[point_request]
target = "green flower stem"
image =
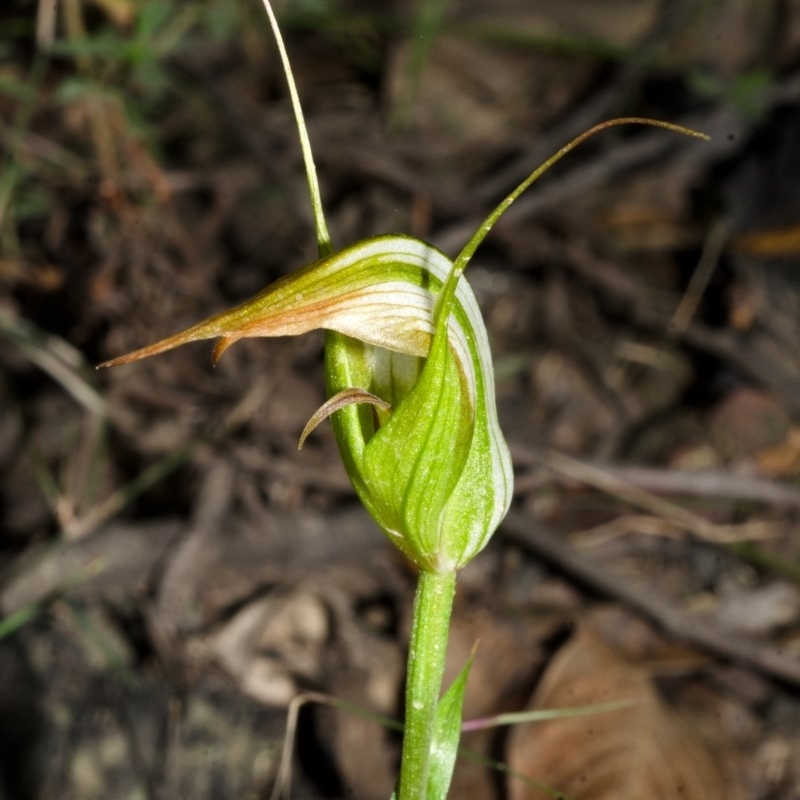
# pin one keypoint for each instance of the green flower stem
(426, 655)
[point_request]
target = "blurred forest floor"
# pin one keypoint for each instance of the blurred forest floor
(173, 572)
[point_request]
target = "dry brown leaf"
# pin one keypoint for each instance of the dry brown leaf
(783, 459)
(641, 752)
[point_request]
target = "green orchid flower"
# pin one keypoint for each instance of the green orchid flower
(411, 388)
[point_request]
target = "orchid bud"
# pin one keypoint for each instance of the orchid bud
(411, 388)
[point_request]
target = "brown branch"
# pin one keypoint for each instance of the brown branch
(549, 547)
(708, 484)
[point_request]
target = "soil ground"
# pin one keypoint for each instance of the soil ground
(173, 572)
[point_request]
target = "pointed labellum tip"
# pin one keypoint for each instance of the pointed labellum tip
(220, 347)
(347, 397)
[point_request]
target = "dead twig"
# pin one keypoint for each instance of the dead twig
(724, 345)
(712, 251)
(741, 488)
(57, 357)
(660, 507)
(546, 545)
(712, 484)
